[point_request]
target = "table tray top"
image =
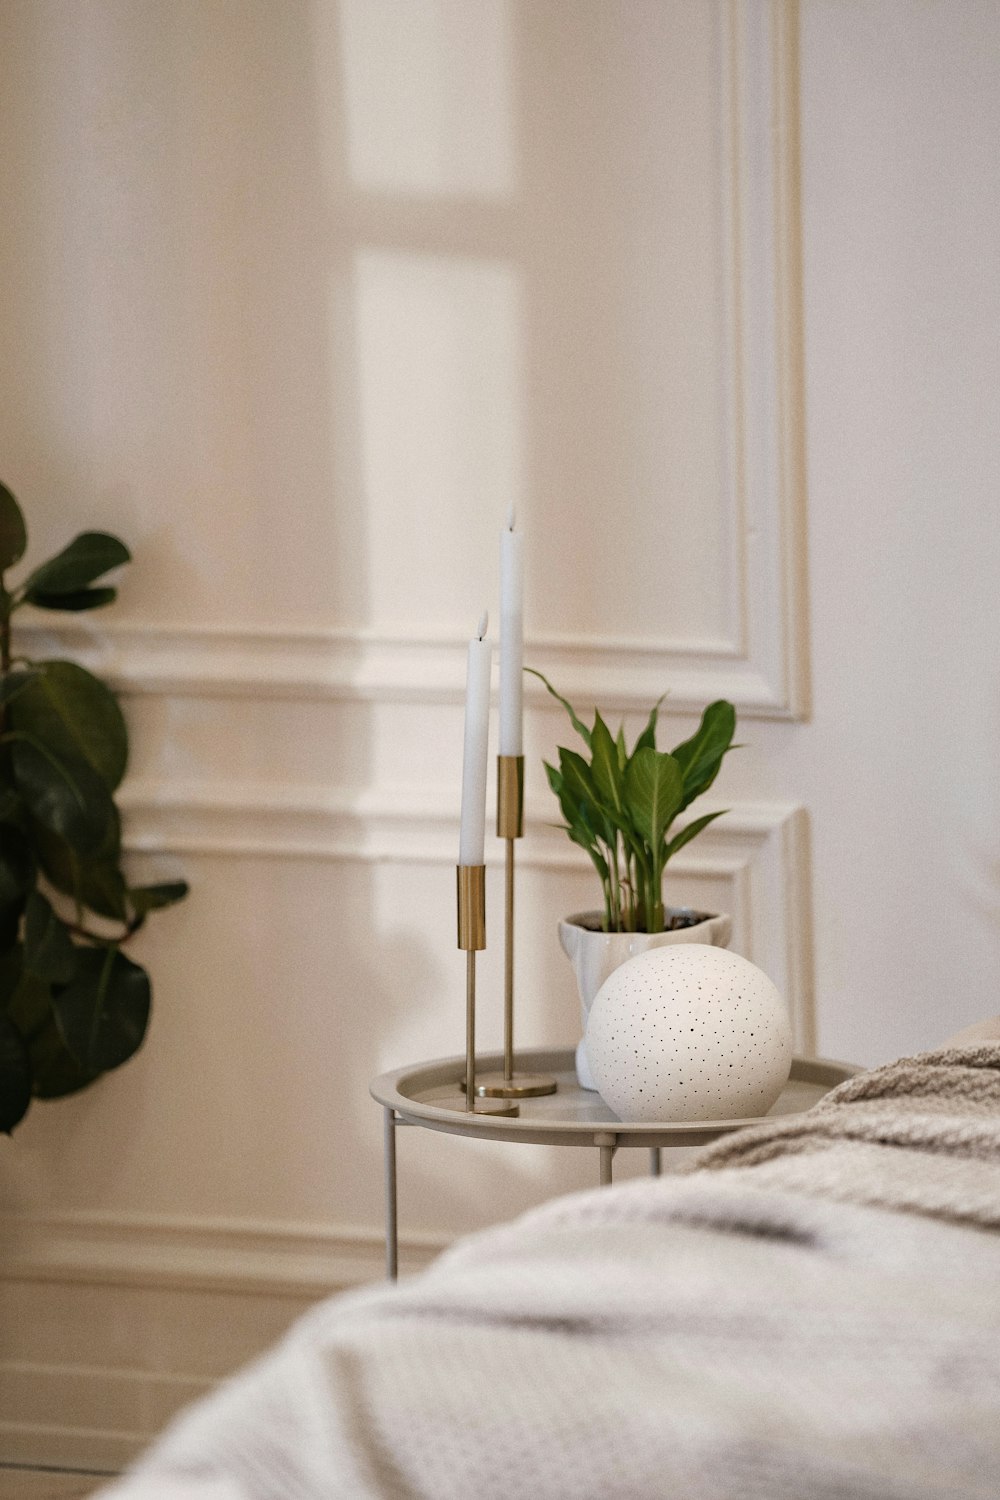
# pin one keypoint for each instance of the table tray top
(427, 1094)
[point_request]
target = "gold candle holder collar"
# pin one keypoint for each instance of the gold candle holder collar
(472, 937)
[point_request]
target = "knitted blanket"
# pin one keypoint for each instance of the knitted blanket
(811, 1310)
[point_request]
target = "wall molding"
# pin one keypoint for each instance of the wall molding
(171, 1286)
(253, 1257)
(760, 849)
(364, 666)
(762, 665)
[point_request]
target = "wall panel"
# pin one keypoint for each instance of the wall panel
(302, 340)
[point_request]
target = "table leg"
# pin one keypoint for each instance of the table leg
(606, 1144)
(655, 1161)
(391, 1230)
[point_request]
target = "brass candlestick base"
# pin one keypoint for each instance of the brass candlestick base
(517, 1086)
(472, 937)
(510, 1084)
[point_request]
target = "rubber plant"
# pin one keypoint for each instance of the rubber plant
(72, 1005)
(619, 804)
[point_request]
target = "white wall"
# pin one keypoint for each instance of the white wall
(299, 298)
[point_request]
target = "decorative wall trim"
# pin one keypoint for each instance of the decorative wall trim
(191, 1298)
(250, 1257)
(330, 665)
(759, 849)
(761, 226)
(762, 665)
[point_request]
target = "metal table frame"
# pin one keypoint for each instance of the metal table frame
(429, 1095)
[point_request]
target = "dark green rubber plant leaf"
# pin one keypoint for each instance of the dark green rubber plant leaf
(13, 532)
(102, 1015)
(72, 801)
(15, 1076)
(55, 1069)
(30, 1007)
(15, 683)
(147, 898)
(17, 868)
(76, 601)
(49, 950)
(95, 880)
(75, 716)
(88, 556)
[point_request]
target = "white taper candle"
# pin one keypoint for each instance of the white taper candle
(472, 830)
(511, 638)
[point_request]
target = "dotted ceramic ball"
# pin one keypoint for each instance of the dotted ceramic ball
(689, 1033)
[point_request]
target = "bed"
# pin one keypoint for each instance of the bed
(809, 1310)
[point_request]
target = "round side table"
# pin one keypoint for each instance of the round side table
(428, 1094)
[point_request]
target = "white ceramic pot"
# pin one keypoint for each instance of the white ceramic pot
(595, 955)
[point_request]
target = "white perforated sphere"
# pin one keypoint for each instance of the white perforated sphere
(689, 1033)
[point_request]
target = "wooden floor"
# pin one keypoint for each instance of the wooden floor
(47, 1484)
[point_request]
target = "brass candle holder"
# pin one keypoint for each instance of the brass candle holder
(472, 937)
(511, 1084)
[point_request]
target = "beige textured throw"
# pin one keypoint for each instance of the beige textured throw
(810, 1311)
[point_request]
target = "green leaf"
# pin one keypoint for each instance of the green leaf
(76, 717)
(691, 831)
(577, 781)
(579, 836)
(56, 1071)
(14, 683)
(11, 808)
(88, 556)
(10, 973)
(577, 724)
(147, 898)
(16, 866)
(49, 952)
(10, 925)
(647, 739)
(72, 802)
(701, 756)
(95, 881)
(15, 1076)
(606, 770)
(13, 532)
(653, 790)
(76, 601)
(30, 1007)
(102, 1015)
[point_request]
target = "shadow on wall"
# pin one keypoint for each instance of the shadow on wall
(300, 299)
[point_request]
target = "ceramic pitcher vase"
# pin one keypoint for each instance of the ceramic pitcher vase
(595, 954)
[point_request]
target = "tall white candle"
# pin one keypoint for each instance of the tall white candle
(511, 638)
(472, 830)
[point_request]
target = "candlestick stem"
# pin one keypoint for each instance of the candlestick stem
(470, 1029)
(472, 937)
(510, 827)
(508, 969)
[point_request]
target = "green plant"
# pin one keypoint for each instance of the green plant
(619, 805)
(72, 1006)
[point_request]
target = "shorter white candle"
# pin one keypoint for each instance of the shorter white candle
(472, 830)
(511, 638)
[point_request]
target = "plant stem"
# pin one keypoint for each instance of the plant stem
(129, 930)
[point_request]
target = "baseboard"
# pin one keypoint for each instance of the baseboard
(113, 1323)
